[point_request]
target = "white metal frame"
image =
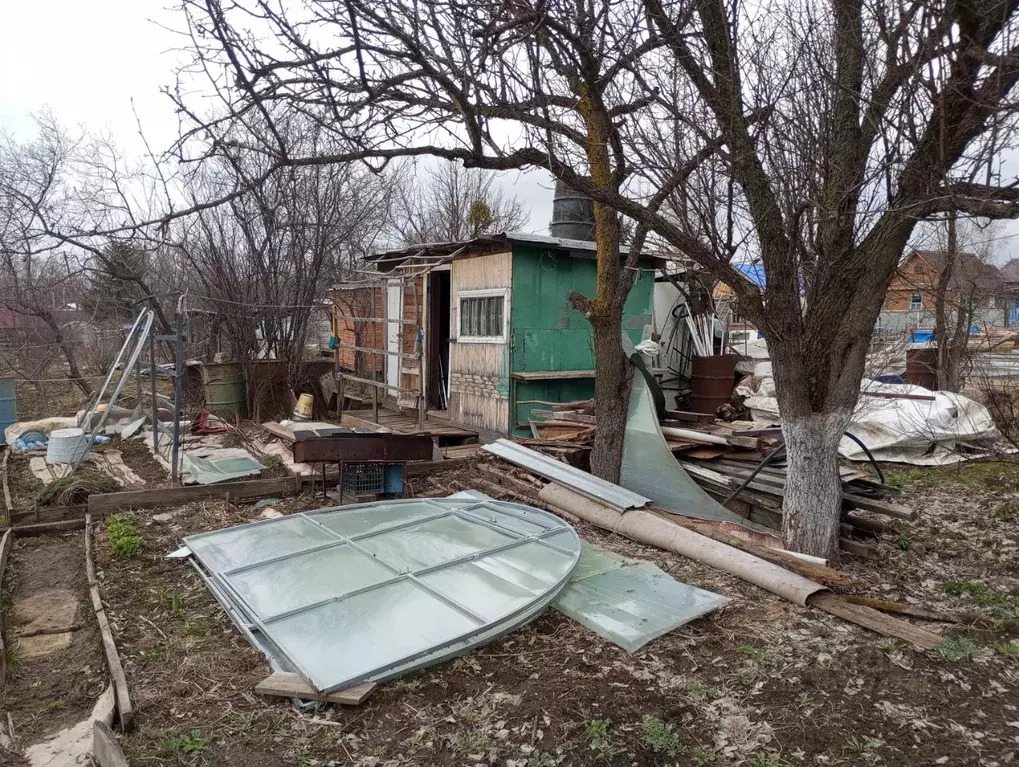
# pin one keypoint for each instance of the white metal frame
(483, 293)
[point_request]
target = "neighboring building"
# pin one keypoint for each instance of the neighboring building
(492, 321)
(915, 283)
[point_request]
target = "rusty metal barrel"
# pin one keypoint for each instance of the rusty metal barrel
(711, 382)
(922, 367)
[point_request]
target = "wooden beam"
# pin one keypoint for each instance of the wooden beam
(278, 430)
(176, 496)
(5, 549)
(105, 748)
(870, 618)
(286, 685)
(124, 708)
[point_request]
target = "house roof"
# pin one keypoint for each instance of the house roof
(575, 248)
(1010, 271)
(753, 271)
(970, 272)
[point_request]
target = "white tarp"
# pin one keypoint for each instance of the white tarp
(923, 432)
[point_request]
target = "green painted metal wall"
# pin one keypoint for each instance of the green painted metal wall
(548, 334)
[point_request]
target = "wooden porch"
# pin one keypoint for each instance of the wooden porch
(436, 425)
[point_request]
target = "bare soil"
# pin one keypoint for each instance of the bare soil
(138, 457)
(23, 484)
(47, 693)
(760, 682)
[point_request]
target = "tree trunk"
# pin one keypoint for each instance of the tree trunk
(812, 505)
(611, 395)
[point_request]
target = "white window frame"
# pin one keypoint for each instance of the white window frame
(916, 308)
(487, 293)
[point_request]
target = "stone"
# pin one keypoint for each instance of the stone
(72, 745)
(164, 518)
(41, 645)
(46, 612)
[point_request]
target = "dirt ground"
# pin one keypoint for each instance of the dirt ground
(760, 682)
(47, 693)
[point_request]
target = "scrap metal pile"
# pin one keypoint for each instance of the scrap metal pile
(739, 465)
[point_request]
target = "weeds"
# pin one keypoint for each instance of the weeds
(125, 540)
(957, 648)
(981, 594)
(190, 743)
(599, 739)
(702, 756)
(469, 742)
(1008, 511)
(661, 737)
(698, 691)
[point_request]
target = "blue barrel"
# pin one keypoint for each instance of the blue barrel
(8, 406)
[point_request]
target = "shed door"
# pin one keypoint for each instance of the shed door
(394, 302)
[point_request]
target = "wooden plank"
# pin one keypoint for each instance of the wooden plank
(286, 685)
(8, 503)
(361, 423)
(689, 417)
(125, 710)
(874, 620)
(551, 375)
(5, 549)
(419, 468)
(175, 496)
(277, 430)
(105, 748)
(26, 531)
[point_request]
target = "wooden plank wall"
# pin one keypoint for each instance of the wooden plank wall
(413, 309)
(479, 373)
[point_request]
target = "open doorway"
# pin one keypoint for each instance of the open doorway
(439, 304)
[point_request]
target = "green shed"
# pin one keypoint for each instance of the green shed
(493, 324)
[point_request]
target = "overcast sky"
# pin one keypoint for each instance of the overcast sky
(88, 61)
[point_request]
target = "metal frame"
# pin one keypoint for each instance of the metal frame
(459, 509)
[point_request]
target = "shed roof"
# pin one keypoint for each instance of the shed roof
(575, 248)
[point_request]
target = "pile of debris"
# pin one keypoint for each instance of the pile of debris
(739, 464)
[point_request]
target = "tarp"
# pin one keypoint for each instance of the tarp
(920, 431)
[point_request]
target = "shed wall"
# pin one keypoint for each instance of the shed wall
(479, 372)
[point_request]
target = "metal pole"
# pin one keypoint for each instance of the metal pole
(177, 393)
(155, 402)
(138, 372)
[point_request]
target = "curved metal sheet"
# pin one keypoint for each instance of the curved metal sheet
(373, 591)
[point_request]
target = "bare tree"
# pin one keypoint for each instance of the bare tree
(264, 259)
(824, 131)
(965, 281)
(452, 203)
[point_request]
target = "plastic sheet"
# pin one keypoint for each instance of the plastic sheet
(630, 602)
(373, 591)
(221, 466)
(650, 468)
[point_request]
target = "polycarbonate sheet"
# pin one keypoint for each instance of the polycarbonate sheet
(630, 602)
(650, 468)
(257, 542)
(405, 584)
(345, 641)
(304, 579)
(433, 543)
(487, 586)
(362, 520)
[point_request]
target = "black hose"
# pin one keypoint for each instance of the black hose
(781, 445)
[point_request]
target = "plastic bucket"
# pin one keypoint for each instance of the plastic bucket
(304, 405)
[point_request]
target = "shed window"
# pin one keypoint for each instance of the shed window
(916, 302)
(482, 316)
(918, 269)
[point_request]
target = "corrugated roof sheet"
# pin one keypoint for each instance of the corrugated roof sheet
(580, 481)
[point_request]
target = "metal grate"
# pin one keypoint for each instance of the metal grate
(363, 478)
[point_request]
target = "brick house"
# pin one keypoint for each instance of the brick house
(914, 286)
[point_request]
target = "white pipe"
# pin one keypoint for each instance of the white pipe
(694, 436)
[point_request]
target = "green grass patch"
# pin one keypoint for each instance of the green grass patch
(661, 737)
(957, 648)
(982, 595)
(189, 743)
(125, 540)
(1008, 511)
